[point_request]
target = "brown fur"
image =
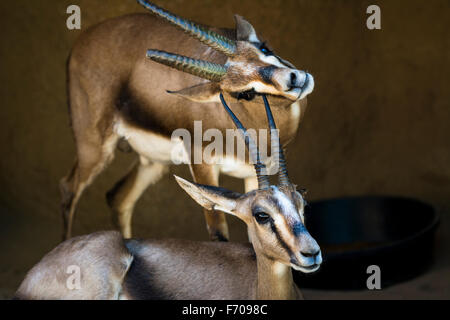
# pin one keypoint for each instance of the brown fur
(102, 271)
(109, 78)
(160, 269)
(179, 269)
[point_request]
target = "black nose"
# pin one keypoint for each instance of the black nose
(309, 254)
(293, 79)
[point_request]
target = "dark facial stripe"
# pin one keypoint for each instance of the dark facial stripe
(266, 73)
(270, 53)
(282, 242)
(275, 203)
(286, 63)
(298, 228)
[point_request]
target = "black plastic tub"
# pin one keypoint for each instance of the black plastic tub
(395, 234)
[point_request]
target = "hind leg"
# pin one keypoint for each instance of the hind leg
(94, 154)
(92, 101)
(123, 197)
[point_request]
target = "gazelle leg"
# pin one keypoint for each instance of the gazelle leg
(92, 158)
(215, 220)
(251, 183)
(124, 195)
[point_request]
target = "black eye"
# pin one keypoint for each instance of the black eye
(261, 217)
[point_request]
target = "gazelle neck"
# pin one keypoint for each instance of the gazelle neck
(275, 281)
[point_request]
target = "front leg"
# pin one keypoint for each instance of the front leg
(215, 220)
(123, 197)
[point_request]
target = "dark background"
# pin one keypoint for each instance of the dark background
(377, 122)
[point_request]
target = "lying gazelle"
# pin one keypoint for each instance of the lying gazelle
(112, 268)
(115, 93)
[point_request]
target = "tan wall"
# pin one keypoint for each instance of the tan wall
(378, 121)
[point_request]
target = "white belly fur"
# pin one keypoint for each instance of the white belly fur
(151, 146)
(156, 148)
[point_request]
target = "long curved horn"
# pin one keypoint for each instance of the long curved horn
(283, 178)
(263, 180)
(199, 68)
(208, 37)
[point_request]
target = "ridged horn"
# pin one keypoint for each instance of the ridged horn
(199, 68)
(208, 37)
(263, 180)
(283, 177)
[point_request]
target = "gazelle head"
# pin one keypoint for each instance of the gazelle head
(274, 214)
(251, 67)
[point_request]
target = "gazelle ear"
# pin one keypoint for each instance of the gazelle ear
(210, 197)
(244, 30)
(205, 92)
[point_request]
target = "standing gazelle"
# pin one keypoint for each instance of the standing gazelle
(115, 92)
(111, 268)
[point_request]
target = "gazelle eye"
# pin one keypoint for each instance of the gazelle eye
(261, 217)
(264, 49)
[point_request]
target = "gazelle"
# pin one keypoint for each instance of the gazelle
(116, 93)
(112, 268)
